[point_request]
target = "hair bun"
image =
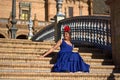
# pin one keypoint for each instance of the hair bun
(66, 28)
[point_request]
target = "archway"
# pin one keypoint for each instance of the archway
(21, 37)
(1, 36)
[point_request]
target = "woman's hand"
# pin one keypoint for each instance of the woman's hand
(53, 48)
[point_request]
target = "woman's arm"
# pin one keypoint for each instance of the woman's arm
(53, 48)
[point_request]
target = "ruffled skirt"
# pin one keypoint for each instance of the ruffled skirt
(70, 62)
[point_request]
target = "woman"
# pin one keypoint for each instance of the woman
(67, 61)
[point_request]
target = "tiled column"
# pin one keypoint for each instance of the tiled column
(115, 29)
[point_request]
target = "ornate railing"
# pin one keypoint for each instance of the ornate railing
(46, 33)
(88, 30)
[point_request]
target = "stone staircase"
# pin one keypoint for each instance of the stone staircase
(19, 60)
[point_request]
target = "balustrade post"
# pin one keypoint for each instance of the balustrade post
(30, 27)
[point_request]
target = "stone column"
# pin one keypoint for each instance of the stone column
(14, 21)
(59, 16)
(90, 8)
(115, 29)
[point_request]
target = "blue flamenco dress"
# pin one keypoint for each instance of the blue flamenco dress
(68, 61)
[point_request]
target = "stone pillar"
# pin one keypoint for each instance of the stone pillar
(59, 16)
(115, 29)
(90, 8)
(14, 21)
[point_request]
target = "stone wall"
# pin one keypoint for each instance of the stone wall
(44, 10)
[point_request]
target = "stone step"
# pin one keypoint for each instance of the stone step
(29, 46)
(29, 42)
(13, 52)
(16, 53)
(22, 51)
(35, 59)
(49, 67)
(96, 55)
(24, 42)
(90, 49)
(41, 52)
(30, 53)
(58, 76)
(38, 70)
(35, 55)
(28, 50)
(20, 62)
(24, 46)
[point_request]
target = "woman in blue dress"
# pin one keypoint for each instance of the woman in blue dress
(67, 61)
